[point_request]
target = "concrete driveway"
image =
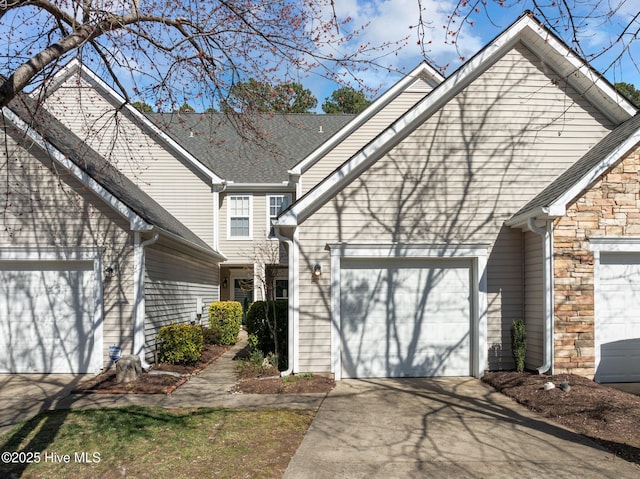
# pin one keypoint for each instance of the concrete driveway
(453, 427)
(22, 396)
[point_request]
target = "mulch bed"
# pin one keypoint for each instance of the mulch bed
(294, 384)
(105, 383)
(267, 381)
(606, 415)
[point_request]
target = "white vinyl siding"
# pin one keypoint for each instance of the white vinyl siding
(347, 148)
(174, 281)
(504, 284)
(51, 211)
(455, 180)
(239, 215)
(533, 300)
(240, 251)
(156, 169)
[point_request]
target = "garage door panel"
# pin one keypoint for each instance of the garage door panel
(620, 361)
(46, 316)
(405, 320)
(617, 325)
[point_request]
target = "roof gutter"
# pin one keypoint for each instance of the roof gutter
(547, 285)
(259, 187)
(201, 249)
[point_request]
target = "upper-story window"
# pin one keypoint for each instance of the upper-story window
(239, 212)
(276, 204)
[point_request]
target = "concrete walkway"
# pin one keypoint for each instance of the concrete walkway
(453, 427)
(210, 388)
(22, 396)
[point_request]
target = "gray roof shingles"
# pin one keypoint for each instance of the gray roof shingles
(256, 149)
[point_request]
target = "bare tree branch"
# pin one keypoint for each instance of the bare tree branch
(220, 40)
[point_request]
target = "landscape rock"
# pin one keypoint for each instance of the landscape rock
(128, 368)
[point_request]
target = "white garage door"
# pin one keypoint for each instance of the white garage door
(617, 323)
(405, 318)
(46, 316)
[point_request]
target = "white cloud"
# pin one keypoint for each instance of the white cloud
(392, 20)
(395, 21)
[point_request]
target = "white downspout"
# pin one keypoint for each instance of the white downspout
(138, 295)
(291, 303)
(547, 286)
(217, 189)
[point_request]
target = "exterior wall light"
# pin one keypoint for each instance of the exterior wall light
(317, 270)
(108, 272)
(225, 283)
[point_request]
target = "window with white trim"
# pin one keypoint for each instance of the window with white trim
(275, 205)
(239, 213)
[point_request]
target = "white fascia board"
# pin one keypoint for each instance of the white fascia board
(615, 244)
(208, 252)
(558, 208)
(120, 100)
(580, 75)
(284, 186)
(401, 128)
(57, 79)
(48, 253)
(136, 222)
(412, 250)
(422, 71)
(523, 29)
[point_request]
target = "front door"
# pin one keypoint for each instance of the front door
(243, 293)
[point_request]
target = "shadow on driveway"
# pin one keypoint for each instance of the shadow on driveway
(445, 427)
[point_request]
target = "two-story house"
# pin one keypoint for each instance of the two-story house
(408, 237)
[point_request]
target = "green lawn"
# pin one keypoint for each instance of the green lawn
(138, 442)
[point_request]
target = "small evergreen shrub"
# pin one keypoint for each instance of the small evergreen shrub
(227, 317)
(211, 335)
(180, 343)
(519, 344)
(257, 325)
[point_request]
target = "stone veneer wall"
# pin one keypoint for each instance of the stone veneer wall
(611, 207)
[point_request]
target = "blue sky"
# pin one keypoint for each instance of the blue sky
(390, 19)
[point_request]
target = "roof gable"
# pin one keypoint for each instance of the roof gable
(95, 172)
(423, 73)
(75, 67)
(526, 30)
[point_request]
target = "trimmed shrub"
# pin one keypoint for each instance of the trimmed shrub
(519, 344)
(227, 317)
(257, 325)
(180, 343)
(211, 335)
